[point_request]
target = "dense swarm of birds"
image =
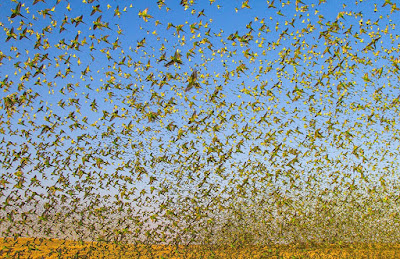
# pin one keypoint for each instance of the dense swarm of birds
(160, 122)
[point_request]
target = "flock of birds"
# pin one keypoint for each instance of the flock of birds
(180, 124)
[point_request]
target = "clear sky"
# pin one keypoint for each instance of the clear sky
(215, 99)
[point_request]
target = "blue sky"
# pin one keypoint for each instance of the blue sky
(296, 86)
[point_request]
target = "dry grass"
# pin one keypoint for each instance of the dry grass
(53, 248)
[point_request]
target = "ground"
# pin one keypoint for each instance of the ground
(53, 248)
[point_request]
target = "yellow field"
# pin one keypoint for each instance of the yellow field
(46, 248)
